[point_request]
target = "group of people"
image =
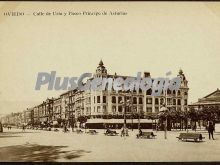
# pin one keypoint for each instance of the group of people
(65, 129)
(124, 131)
(9, 127)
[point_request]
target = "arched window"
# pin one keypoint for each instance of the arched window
(140, 100)
(134, 100)
(140, 91)
(149, 91)
(119, 99)
(174, 92)
(162, 101)
(168, 92)
(113, 99)
(174, 101)
(179, 102)
(178, 92)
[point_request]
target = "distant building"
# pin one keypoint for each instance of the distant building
(29, 116)
(211, 100)
(57, 111)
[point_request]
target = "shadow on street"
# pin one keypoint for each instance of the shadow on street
(37, 153)
(8, 136)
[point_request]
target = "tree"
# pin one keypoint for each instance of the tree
(81, 120)
(193, 115)
(72, 123)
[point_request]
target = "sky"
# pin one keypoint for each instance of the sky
(154, 36)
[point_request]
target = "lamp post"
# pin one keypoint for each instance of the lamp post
(164, 110)
(126, 104)
(187, 120)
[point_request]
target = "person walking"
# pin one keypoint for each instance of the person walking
(23, 128)
(1, 128)
(211, 130)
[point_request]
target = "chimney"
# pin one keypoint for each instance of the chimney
(146, 74)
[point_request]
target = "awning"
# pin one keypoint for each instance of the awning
(118, 121)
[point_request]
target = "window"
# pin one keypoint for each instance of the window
(113, 109)
(174, 101)
(94, 99)
(156, 101)
(185, 93)
(179, 102)
(120, 109)
(178, 92)
(174, 92)
(168, 91)
(134, 100)
(149, 91)
(140, 100)
(98, 109)
(140, 109)
(149, 109)
(169, 101)
(185, 102)
(98, 99)
(149, 100)
(104, 109)
(88, 110)
(113, 99)
(161, 101)
(156, 109)
(140, 91)
(104, 99)
(135, 109)
(119, 99)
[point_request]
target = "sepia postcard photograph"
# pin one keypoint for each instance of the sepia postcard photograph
(109, 81)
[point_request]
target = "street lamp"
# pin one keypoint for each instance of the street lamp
(165, 110)
(126, 104)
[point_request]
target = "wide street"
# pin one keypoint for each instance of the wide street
(39, 145)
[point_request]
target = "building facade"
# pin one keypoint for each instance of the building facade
(107, 103)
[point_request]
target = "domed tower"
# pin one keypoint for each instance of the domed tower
(101, 71)
(183, 91)
(184, 82)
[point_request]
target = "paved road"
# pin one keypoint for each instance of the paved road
(38, 145)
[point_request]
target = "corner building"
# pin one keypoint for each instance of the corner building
(108, 106)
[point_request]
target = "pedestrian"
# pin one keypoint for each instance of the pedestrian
(65, 128)
(122, 131)
(23, 128)
(1, 128)
(211, 130)
(140, 132)
(126, 131)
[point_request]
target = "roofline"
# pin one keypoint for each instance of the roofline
(211, 93)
